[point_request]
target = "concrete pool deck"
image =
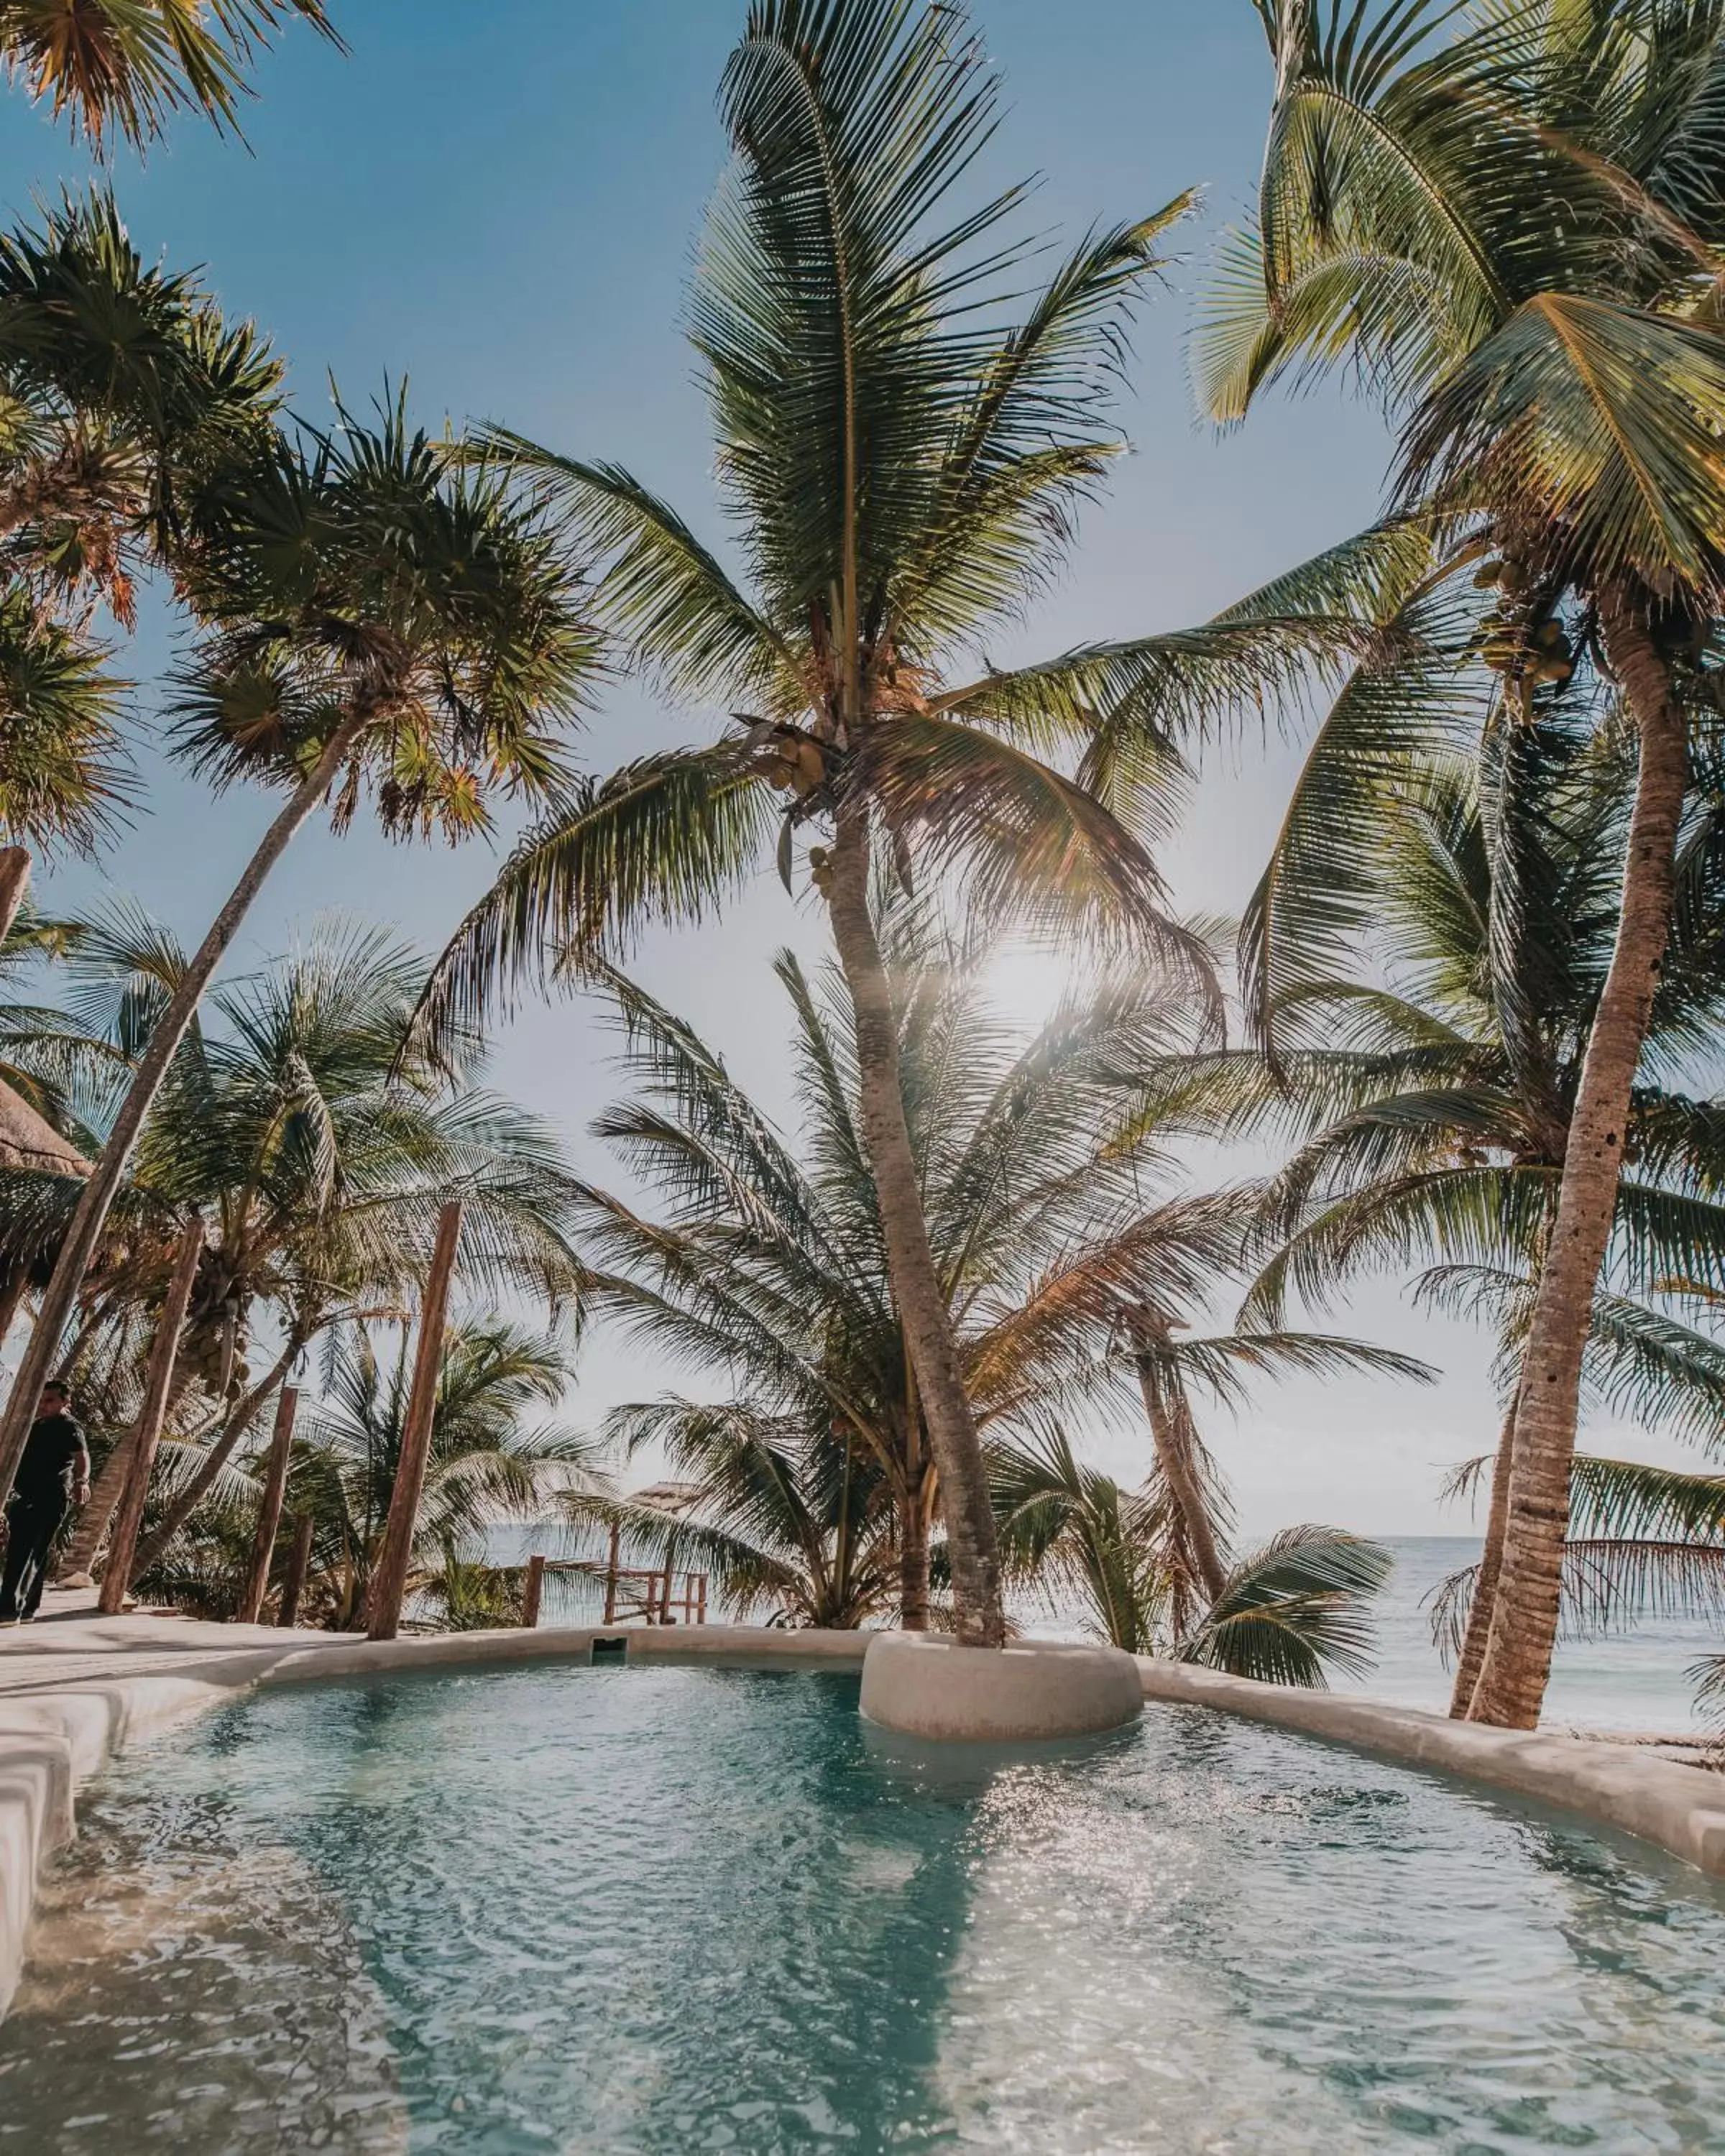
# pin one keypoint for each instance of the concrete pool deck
(77, 1688)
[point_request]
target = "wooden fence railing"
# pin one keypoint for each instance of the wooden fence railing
(633, 1593)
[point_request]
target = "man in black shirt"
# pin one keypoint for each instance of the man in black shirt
(54, 1473)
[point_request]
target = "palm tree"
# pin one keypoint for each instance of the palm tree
(1066, 1267)
(1641, 1540)
(1433, 1086)
(124, 390)
(1286, 1614)
(1514, 232)
(375, 614)
(800, 1518)
(316, 1152)
(771, 1259)
(488, 1463)
(125, 66)
(903, 478)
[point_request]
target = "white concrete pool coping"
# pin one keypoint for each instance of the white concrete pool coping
(77, 1689)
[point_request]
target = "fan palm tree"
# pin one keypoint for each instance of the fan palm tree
(377, 614)
(903, 478)
(1509, 218)
(1067, 1268)
(1286, 1614)
(124, 67)
(123, 392)
(318, 1156)
(488, 1462)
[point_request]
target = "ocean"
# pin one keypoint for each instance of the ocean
(1635, 1680)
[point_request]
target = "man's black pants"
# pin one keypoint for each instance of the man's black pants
(33, 1524)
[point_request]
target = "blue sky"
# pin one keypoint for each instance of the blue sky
(499, 204)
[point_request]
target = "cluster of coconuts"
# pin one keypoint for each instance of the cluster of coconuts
(794, 764)
(1510, 644)
(214, 1353)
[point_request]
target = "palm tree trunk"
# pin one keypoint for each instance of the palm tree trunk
(103, 1186)
(220, 1453)
(1171, 1433)
(912, 1560)
(915, 1284)
(1485, 1588)
(1523, 1630)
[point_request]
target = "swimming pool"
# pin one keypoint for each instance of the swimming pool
(672, 1909)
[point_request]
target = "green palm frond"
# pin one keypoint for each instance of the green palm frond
(65, 777)
(1026, 452)
(1023, 840)
(665, 837)
(1295, 1610)
(831, 304)
(1616, 1500)
(1607, 416)
(662, 590)
(1330, 867)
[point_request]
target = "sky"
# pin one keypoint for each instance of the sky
(498, 205)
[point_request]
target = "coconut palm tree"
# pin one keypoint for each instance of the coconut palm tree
(318, 1155)
(377, 614)
(1642, 1540)
(769, 1258)
(124, 67)
(902, 475)
(1432, 1087)
(1509, 218)
(489, 1463)
(800, 1520)
(1286, 1614)
(1067, 1266)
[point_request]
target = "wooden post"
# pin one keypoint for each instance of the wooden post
(299, 1564)
(534, 1587)
(389, 1577)
(700, 1605)
(270, 1510)
(611, 1576)
(158, 1376)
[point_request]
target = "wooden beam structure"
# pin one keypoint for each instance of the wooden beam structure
(299, 1564)
(275, 1475)
(158, 1377)
(389, 1576)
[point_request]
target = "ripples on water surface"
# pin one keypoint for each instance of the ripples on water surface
(653, 1911)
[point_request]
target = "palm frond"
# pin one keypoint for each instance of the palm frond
(1295, 1610)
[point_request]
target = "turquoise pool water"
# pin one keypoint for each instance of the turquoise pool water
(651, 1911)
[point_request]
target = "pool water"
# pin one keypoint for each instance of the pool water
(634, 1913)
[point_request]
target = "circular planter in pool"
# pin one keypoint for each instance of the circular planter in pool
(923, 1685)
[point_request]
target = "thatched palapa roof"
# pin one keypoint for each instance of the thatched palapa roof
(26, 1140)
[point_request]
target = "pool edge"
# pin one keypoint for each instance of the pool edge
(1680, 1808)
